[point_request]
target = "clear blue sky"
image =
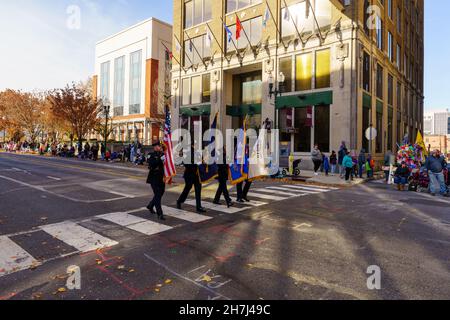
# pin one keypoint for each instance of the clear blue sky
(36, 42)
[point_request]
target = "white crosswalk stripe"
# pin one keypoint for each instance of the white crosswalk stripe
(135, 223)
(307, 189)
(277, 192)
(185, 215)
(215, 207)
(78, 237)
(266, 196)
(13, 258)
(254, 203)
(297, 191)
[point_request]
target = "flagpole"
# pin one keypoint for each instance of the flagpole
(195, 48)
(217, 41)
(170, 52)
(276, 25)
(245, 33)
(315, 19)
(184, 51)
(232, 41)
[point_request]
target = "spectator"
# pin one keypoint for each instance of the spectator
(435, 164)
(316, 157)
(333, 162)
(347, 163)
(401, 176)
(341, 155)
(361, 162)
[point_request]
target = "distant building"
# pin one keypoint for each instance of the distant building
(132, 73)
(442, 123)
(439, 142)
(428, 124)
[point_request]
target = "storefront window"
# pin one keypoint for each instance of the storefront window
(379, 139)
(196, 90)
(365, 126)
(389, 133)
(366, 72)
(186, 92)
(323, 69)
(206, 88)
(251, 89)
(286, 69)
(302, 138)
(322, 127)
(303, 72)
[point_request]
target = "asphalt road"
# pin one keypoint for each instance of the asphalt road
(293, 242)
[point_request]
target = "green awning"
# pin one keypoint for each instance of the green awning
(367, 100)
(196, 111)
(243, 110)
(305, 100)
(379, 106)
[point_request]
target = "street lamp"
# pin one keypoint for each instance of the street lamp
(278, 91)
(106, 110)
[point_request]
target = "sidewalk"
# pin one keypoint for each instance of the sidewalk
(332, 179)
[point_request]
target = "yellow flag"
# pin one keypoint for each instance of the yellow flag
(421, 143)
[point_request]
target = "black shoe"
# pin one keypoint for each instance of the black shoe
(240, 201)
(201, 210)
(162, 218)
(245, 199)
(217, 203)
(230, 204)
(179, 205)
(152, 211)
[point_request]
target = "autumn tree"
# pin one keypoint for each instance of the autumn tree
(75, 106)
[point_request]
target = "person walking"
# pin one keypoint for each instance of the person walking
(191, 179)
(95, 151)
(347, 163)
(242, 191)
(435, 165)
(156, 180)
(223, 171)
(333, 162)
(316, 157)
(361, 162)
(341, 155)
(103, 151)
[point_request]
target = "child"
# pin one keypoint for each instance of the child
(333, 161)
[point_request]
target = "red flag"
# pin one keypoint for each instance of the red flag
(238, 28)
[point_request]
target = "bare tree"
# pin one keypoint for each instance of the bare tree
(76, 106)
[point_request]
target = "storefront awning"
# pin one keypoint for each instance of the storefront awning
(196, 111)
(367, 101)
(305, 100)
(243, 110)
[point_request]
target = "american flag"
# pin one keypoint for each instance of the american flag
(169, 164)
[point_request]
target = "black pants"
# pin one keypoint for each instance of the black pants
(187, 189)
(242, 191)
(348, 173)
(159, 188)
(317, 164)
(222, 190)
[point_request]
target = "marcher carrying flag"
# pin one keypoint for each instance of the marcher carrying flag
(169, 162)
(239, 169)
(209, 169)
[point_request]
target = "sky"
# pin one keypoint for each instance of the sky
(43, 44)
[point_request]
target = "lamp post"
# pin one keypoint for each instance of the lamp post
(106, 110)
(280, 89)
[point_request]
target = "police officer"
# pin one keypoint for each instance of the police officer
(156, 179)
(192, 179)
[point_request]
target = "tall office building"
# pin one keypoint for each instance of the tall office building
(321, 71)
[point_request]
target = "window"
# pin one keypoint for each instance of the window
(196, 12)
(323, 69)
(390, 8)
(286, 69)
(366, 124)
(196, 49)
(390, 90)
(379, 139)
(135, 82)
(302, 138)
(366, 72)
(206, 88)
(196, 90)
(186, 88)
(253, 29)
(299, 17)
(380, 30)
(398, 59)
(379, 81)
(104, 81)
(119, 85)
(303, 72)
(233, 5)
(390, 130)
(390, 47)
(322, 127)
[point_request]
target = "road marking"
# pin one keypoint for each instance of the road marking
(276, 192)
(215, 207)
(255, 203)
(135, 223)
(301, 192)
(78, 237)
(185, 215)
(266, 196)
(53, 178)
(308, 189)
(13, 258)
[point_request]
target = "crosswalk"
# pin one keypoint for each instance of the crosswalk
(13, 258)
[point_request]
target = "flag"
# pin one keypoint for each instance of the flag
(287, 15)
(239, 169)
(191, 46)
(421, 144)
(208, 39)
(229, 33)
(177, 46)
(169, 163)
(266, 17)
(238, 28)
(210, 171)
(169, 54)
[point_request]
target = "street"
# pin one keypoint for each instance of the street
(293, 241)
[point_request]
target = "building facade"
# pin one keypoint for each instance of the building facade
(437, 142)
(320, 71)
(442, 123)
(132, 76)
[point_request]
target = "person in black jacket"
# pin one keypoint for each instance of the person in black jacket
(223, 171)
(401, 176)
(156, 180)
(192, 179)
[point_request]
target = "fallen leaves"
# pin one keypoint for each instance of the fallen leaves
(206, 278)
